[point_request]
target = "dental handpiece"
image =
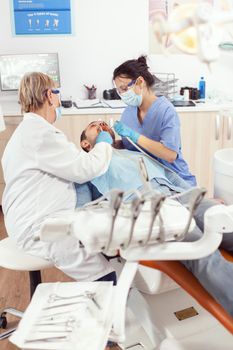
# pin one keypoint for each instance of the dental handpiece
(111, 123)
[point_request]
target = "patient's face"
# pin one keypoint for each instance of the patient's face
(92, 131)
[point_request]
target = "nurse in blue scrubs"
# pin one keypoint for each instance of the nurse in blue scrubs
(148, 120)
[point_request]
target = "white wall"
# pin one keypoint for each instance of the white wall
(107, 32)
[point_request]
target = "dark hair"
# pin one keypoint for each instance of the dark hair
(83, 136)
(133, 69)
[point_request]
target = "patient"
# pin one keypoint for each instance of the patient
(213, 271)
(124, 171)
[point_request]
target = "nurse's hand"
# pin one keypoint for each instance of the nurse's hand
(104, 136)
(124, 131)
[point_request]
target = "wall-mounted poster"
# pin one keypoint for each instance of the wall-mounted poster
(37, 17)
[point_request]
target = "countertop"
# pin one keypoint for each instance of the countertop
(12, 109)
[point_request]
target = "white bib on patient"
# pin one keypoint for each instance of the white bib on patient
(124, 172)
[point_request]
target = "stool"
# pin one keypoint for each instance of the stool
(13, 258)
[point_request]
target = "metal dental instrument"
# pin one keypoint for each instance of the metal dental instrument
(61, 305)
(156, 203)
(50, 316)
(86, 294)
(137, 204)
(45, 338)
(197, 195)
(111, 123)
(92, 297)
(70, 321)
(115, 203)
(162, 236)
(144, 174)
(53, 328)
(156, 198)
(55, 297)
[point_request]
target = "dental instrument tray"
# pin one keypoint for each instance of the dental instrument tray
(67, 316)
(108, 225)
(165, 84)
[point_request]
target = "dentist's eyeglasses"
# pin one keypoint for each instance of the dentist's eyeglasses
(54, 91)
(121, 89)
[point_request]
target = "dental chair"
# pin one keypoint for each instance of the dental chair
(146, 232)
(186, 280)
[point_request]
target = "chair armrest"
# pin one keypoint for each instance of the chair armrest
(218, 219)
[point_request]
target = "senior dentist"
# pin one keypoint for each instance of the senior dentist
(40, 167)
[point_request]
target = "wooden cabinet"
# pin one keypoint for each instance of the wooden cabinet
(226, 123)
(202, 134)
(200, 140)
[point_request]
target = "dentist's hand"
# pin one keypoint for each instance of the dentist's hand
(123, 130)
(104, 136)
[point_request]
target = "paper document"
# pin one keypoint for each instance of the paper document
(78, 103)
(98, 103)
(114, 103)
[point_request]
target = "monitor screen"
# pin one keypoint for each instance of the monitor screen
(13, 67)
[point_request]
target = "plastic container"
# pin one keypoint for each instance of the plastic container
(223, 175)
(202, 87)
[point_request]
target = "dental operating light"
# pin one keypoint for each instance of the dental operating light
(194, 28)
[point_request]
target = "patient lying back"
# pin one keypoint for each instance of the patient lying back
(124, 169)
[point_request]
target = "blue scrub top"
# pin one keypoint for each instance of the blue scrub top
(161, 124)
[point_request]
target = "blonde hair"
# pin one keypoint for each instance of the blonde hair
(32, 91)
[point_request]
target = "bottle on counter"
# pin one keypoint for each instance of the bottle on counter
(202, 87)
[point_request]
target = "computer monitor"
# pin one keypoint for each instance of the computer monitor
(13, 68)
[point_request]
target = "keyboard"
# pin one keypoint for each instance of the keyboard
(183, 103)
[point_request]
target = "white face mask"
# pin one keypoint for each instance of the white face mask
(131, 98)
(58, 113)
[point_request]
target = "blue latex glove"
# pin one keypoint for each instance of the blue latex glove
(123, 130)
(104, 136)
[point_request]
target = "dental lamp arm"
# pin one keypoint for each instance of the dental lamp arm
(163, 27)
(198, 17)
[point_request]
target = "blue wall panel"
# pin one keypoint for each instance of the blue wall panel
(36, 17)
(41, 5)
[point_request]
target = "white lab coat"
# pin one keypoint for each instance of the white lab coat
(39, 167)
